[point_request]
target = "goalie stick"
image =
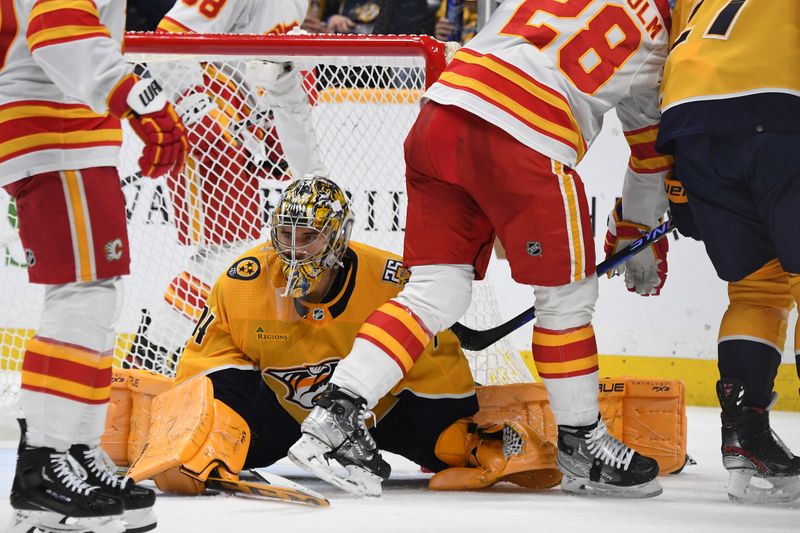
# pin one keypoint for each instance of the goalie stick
(265, 488)
(476, 340)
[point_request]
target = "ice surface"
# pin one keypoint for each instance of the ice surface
(694, 500)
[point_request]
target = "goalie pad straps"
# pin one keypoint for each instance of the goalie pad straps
(513, 436)
(187, 432)
(511, 451)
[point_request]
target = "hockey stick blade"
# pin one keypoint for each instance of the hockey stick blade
(477, 340)
(267, 491)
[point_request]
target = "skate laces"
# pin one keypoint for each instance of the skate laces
(605, 447)
(363, 416)
(104, 468)
(71, 473)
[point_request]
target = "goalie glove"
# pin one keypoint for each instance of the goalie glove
(679, 211)
(645, 272)
(152, 117)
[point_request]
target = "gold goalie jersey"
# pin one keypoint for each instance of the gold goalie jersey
(247, 324)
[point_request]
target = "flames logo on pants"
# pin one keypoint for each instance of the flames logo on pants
(304, 383)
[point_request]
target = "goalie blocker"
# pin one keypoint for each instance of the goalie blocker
(179, 435)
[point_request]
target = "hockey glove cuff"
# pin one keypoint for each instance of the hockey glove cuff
(152, 117)
(646, 272)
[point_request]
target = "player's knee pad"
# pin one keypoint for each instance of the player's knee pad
(82, 313)
(438, 294)
(759, 306)
(566, 306)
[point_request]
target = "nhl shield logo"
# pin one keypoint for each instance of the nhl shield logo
(534, 248)
(304, 383)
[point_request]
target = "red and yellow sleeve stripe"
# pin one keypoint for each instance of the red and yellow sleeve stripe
(67, 371)
(170, 25)
(508, 88)
(565, 353)
(397, 331)
(32, 125)
(644, 157)
(59, 21)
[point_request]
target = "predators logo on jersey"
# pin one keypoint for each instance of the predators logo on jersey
(245, 269)
(303, 383)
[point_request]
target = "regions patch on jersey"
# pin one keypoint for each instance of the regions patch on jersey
(245, 269)
(304, 383)
(395, 272)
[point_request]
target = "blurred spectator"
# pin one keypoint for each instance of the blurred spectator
(369, 17)
(444, 27)
(144, 15)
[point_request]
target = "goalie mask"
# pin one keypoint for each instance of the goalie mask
(310, 230)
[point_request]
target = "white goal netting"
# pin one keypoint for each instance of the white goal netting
(185, 230)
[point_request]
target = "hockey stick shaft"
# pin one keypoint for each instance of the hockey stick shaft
(476, 340)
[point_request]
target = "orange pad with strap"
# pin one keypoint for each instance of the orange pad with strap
(128, 419)
(646, 414)
(649, 415)
(508, 414)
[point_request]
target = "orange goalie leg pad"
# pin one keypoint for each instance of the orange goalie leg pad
(649, 415)
(191, 433)
(128, 418)
(508, 445)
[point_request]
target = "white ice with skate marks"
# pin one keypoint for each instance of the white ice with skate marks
(695, 500)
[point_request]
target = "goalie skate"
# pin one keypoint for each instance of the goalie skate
(337, 447)
(595, 463)
(762, 468)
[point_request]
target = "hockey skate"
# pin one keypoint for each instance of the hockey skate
(50, 495)
(102, 472)
(762, 469)
(595, 463)
(335, 437)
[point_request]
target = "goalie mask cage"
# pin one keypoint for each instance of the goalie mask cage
(184, 232)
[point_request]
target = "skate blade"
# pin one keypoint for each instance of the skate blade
(309, 454)
(586, 487)
(139, 520)
(50, 522)
(743, 490)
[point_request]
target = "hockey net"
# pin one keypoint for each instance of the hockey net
(184, 233)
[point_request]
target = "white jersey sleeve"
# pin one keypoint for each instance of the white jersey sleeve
(546, 72)
(234, 16)
(78, 47)
(284, 95)
(643, 198)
